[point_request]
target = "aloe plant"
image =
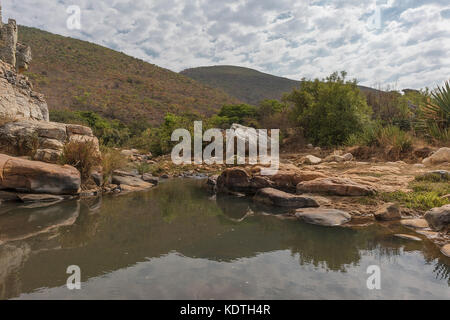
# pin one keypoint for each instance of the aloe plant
(436, 113)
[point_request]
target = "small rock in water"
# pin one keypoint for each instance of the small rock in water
(407, 237)
(323, 217)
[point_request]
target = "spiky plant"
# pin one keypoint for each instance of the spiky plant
(436, 113)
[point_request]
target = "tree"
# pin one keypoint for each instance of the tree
(329, 110)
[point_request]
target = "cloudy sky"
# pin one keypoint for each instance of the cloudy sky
(400, 43)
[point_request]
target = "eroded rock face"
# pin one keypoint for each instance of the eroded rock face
(44, 141)
(38, 177)
(279, 198)
(335, 186)
(17, 98)
(323, 217)
(439, 218)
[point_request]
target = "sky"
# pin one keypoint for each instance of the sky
(391, 44)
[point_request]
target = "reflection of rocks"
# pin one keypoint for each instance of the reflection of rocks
(21, 223)
(12, 258)
(323, 217)
(407, 237)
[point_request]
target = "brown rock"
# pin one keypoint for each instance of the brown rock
(38, 177)
(279, 198)
(446, 250)
(415, 223)
(407, 237)
(388, 212)
(336, 186)
(438, 218)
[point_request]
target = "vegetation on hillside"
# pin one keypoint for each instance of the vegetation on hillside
(82, 76)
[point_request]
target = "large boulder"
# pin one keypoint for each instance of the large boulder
(234, 179)
(439, 218)
(279, 198)
(38, 177)
(323, 217)
(335, 186)
(440, 156)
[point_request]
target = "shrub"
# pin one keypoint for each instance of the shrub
(399, 141)
(329, 111)
(112, 160)
(142, 167)
(82, 155)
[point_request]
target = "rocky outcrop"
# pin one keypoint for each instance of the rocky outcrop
(42, 140)
(388, 212)
(323, 217)
(446, 250)
(37, 177)
(415, 223)
(17, 98)
(279, 198)
(440, 156)
(439, 218)
(335, 186)
(12, 52)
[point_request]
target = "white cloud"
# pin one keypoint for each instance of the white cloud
(286, 37)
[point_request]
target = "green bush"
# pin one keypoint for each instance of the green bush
(329, 111)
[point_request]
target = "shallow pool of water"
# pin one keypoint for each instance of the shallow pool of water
(178, 242)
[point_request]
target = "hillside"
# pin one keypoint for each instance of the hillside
(79, 75)
(246, 84)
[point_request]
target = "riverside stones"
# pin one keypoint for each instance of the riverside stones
(438, 218)
(279, 198)
(446, 250)
(388, 212)
(323, 217)
(415, 223)
(38, 177)
(407, 237)
(310, 159)
(335, 186)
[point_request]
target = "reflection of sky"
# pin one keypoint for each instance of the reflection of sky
(406, 45)
(274, 275)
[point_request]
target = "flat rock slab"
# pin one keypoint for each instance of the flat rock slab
(415, 223)
(131, 181)
(446, 250)
(323, 217)
(279, 198)
(336, 186)
(407, 237)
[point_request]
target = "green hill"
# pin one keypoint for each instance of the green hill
(79, 75)
(246, 84)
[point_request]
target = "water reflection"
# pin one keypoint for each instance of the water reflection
(115, 233)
